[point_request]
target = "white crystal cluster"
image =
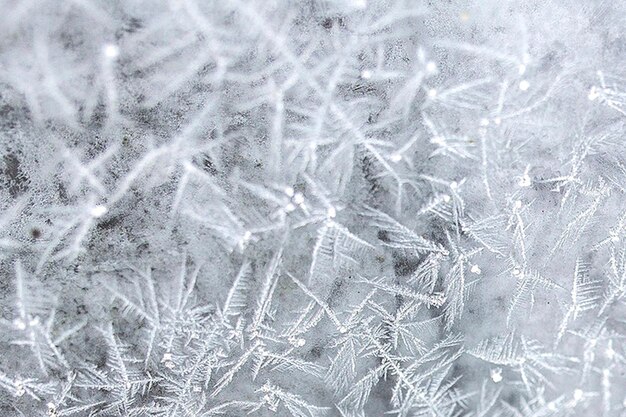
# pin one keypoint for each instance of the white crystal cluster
(314, 208)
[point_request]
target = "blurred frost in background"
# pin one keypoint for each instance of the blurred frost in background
(312, 208)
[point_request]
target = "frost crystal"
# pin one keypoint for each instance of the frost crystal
(312, 208)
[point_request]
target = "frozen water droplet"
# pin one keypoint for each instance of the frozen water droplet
(524, 85)
(496, 375)
(98, 211)
(578, 394)
(111, 51)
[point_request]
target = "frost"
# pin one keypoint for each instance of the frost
(320, 208)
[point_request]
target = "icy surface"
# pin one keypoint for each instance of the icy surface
(312, 208)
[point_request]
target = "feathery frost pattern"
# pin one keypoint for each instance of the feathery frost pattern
(345, 208)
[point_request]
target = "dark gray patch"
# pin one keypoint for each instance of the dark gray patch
(16, 179)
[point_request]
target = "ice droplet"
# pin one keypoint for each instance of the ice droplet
(524, 85)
